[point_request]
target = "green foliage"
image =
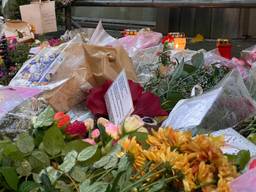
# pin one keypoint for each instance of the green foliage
(25, 143)
(241, 159)
(53, 141)
(10, 176)
(28, 186)
(77, 145)
(45, 119)
(87, 153)
(177, 85)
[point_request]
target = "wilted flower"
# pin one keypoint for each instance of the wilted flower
(102, 122)
(95, 133)
(112, 130)
(77, 128)
(90, 141)
(132, 123)
(62, 119)
(142, 130)
(89, 123)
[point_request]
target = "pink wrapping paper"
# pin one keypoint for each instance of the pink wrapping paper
(10, 97)
(143, 40)
(245, 182)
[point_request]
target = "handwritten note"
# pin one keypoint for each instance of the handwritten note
(119, 100)
(43, 16)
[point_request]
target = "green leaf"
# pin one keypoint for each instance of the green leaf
(77, 145)
(158, 186)
(116, 180)
(110, 160)
(69, 161)
(87, 153)
(252, 138)
(190, 69)
(24, 169)
(63, 187)
(123, 163)
(25, 143)
(10, 177)
(45, 119)
(46, 183)
(198, 60)
(102, 162)
(27, 186)
(103, 135)
(94, 187)
(125, 178)
(243, 157)
(178, 71)
(53, 141)
(52, 174)
(42, 159)
(78, 173)
(141, 138)
(9, 149)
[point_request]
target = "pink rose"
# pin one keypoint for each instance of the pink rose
(112, 130)
(95, 133)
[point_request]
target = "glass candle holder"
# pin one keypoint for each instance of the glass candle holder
(224, 47)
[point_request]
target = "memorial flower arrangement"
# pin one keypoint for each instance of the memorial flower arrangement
(175, 81)
(60, 155)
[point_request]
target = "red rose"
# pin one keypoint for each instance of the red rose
(168, 38)
(145, 103)
(76, 129)
(62, 119)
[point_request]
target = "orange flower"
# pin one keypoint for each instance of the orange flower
(62, 119)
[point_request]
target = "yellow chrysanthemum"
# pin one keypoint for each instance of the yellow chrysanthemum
(198, 160)
(132, 147)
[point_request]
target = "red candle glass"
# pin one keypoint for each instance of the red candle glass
(224, 48)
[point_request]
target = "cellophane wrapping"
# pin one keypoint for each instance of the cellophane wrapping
(225, 105)
(18, 106)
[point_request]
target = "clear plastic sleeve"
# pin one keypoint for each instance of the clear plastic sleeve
(234, 142)
(14, 96)
(249, 55)
(224, 106)
(100, 36)
(51, 66)
(139, 42)
(213, 57)
(18, 107)
(146, 62)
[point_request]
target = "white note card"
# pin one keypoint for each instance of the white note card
(119, 100)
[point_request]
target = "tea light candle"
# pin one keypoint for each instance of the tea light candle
(179, 40)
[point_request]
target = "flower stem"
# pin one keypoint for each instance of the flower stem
(205, 184)
(165, 180)
(142, 179)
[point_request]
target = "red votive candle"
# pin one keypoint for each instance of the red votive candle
(224, 48)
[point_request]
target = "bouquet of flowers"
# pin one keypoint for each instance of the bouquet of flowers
(59, 155)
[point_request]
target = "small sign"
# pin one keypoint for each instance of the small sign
(119, 99)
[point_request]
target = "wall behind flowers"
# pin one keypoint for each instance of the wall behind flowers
(212, 23)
